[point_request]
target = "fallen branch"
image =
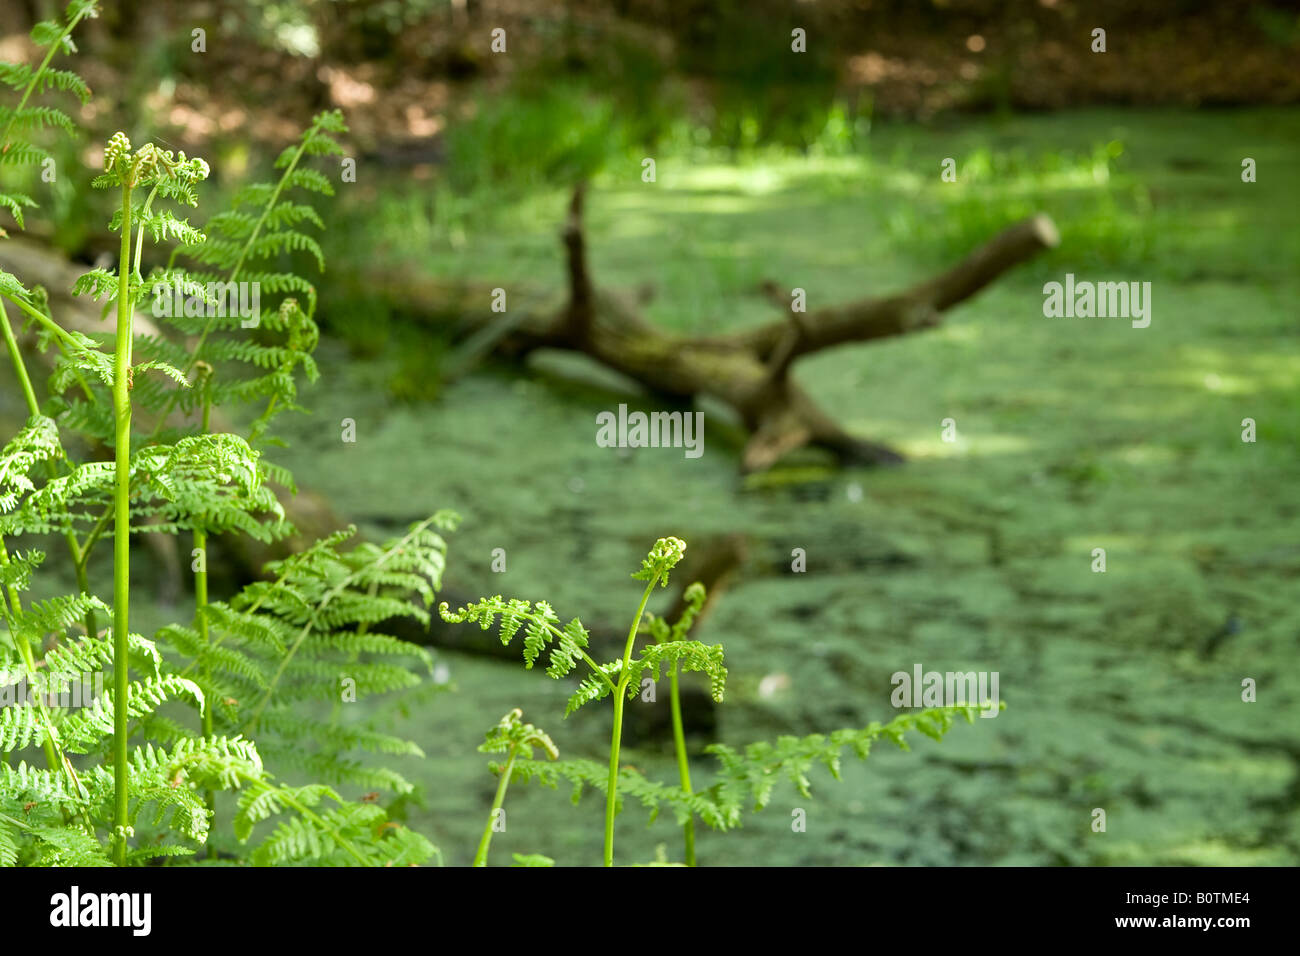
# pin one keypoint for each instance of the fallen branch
(751, 370)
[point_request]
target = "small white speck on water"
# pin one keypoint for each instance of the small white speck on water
(773, 684)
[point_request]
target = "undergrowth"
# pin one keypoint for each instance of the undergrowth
(125, 780)
(128, 436)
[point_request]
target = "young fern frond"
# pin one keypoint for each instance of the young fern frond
(511, 733)
(514, 738)
(172, 177)
(694, 597)
(745, 780)
(540, 625)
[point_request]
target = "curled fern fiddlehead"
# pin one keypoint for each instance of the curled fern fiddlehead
(514, 738)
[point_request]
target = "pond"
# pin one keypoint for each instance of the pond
(1123, 687)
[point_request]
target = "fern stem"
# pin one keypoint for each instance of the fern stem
(83, 583)
(596, 668)
(95, 533)
(611, 795)
(34, 408)
(122, 535)
(201, 622)
(616, 739)
(20, 367)
(480, 858)
(139, 233)
(683, 764)
(50, 325)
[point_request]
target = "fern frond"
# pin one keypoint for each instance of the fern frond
(8, 842)
(36, 118)
(56, 615)
(653, 796)
(86, 728)
(17, 573)
(312, 632)
(15, 203)
(688, 655)
(36, 442)
(20, 727)
(145, 855)
(22, 154)
(346, 834)
(750, 776)
(310, 180)
(65, 845)
(593, 687)
(511, 733)
(540, 624)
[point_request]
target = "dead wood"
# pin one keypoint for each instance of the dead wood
(750, 370)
